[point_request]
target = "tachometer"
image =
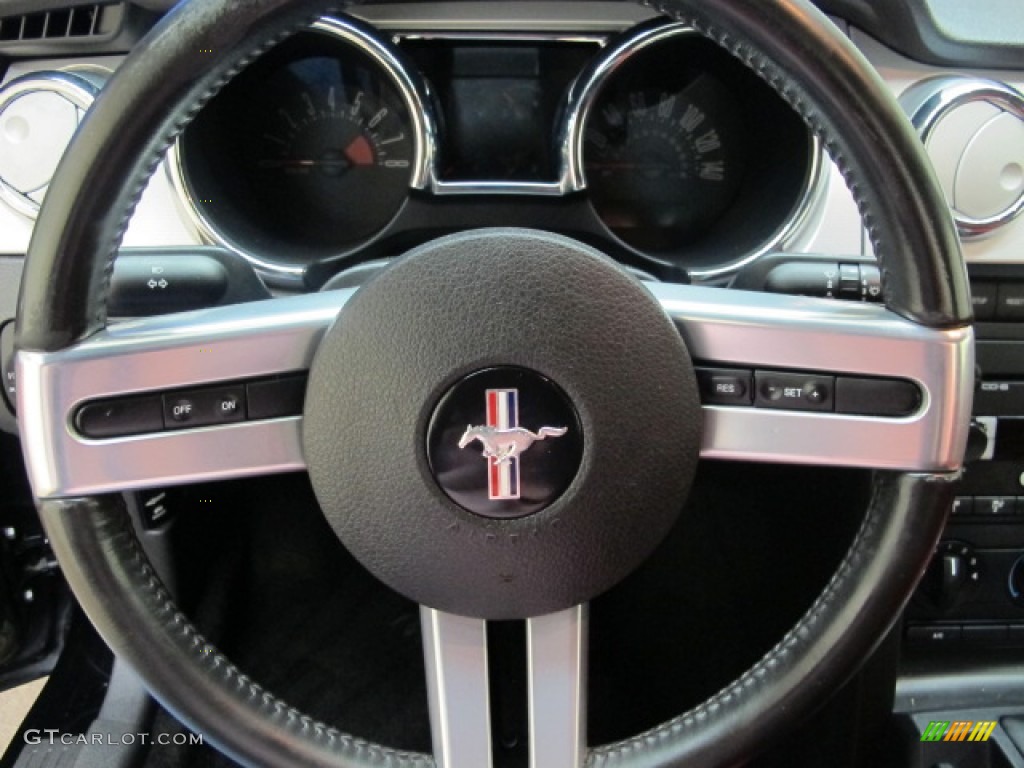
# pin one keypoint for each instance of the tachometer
(310, 151)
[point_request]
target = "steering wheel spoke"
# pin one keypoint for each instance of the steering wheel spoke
(143, 367)
(806, 352)
(455, 651)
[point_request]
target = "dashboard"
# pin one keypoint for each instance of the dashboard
(372, 133)
(363, 137)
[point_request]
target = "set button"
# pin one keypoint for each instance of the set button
(794, 391)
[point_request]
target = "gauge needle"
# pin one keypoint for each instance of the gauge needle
(339, 163)
(627, 166)
(358, 152)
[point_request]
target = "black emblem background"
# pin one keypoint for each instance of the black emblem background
(546, 469)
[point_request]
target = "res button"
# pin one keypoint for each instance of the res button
(724, 386)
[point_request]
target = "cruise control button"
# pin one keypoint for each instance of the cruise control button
(181, 409)
(877, 397)
(724, 386)
(121, 417)
(276, 398)
(794, 391)
(205, 407)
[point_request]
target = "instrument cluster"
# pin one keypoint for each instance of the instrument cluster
(342, 146)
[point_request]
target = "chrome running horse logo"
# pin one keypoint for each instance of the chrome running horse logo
(504, 441)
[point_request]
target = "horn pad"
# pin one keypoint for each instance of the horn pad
(423, 346)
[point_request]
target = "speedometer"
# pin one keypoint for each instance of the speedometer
(687, 157)
(309, 152)
(663, 158)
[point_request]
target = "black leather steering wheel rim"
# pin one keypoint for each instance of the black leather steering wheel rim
(157, 91)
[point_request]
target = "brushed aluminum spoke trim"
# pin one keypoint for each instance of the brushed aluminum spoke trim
(556, 673)
(190, 349)
(772, 332)
(455, 652)
(721, 328)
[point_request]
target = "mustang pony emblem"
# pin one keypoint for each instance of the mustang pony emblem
(503, 445)
(504, 441)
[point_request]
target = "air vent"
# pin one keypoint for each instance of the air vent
(79, 22)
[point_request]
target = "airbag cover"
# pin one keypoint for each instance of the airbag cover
(491, 299)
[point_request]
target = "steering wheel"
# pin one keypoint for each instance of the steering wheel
(597, 364)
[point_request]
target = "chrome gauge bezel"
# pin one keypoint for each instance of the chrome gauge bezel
(416, 97)
(588, 88)
(929, 101)
(78, 90)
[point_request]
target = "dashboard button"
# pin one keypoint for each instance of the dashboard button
(1010, 301)
(962, 506)
(794, 391)
(983, 299)
(121, 417)
(985, 634)
(995, 506)
(934, 635)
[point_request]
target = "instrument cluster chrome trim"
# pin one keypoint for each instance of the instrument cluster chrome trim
(414, 92)
(929, 101)
(78, 90)
(569, 133)
(721, 327)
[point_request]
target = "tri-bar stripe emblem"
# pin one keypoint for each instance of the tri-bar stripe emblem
(503, 414)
